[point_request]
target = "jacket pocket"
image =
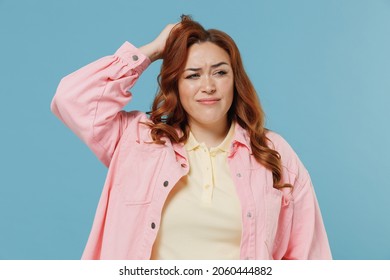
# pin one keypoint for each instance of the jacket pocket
(139, 170)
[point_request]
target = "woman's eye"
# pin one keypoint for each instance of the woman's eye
(193, 76)
(221, 73)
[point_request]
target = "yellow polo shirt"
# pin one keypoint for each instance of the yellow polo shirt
(202, 215)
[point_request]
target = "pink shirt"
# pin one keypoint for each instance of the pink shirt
(275, 224)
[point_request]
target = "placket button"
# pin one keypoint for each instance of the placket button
(153, 225)
(239, 175)
(166, 183)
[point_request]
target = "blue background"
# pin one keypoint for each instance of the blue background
(322, 70)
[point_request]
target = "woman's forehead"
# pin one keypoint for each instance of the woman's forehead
(206, 54)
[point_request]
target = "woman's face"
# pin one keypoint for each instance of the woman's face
(206, 85)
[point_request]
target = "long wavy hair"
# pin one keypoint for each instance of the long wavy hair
(169, 119)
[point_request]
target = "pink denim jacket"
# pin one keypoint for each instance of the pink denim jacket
(276, 224)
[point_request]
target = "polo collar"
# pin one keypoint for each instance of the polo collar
(240, 137)
(224, 146)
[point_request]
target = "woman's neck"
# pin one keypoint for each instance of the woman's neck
(211, 135)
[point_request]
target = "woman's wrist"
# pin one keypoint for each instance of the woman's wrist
(151, 51)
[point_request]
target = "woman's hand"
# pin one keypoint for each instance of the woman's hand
(155, 48)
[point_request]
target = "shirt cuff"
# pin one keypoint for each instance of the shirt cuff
(133, 57)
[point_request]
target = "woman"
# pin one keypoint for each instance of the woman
(201, 178)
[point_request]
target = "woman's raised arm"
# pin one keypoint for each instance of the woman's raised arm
(90, 101)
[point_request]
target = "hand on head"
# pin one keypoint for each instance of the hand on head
(155, 49)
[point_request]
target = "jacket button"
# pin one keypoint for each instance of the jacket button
(135, 57)
(166, 183)
(153, 225)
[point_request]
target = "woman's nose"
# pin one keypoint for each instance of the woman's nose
(208, 85)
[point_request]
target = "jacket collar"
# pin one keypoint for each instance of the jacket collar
(242, 138)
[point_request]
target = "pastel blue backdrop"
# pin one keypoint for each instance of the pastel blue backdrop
(322, 70)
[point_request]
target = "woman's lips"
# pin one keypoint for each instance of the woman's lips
(208, 101)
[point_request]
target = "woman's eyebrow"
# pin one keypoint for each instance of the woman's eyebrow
(212, 66)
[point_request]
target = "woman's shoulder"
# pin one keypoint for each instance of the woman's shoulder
(290, 160)
(279, 143)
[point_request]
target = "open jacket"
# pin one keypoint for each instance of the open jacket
(276, 224)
